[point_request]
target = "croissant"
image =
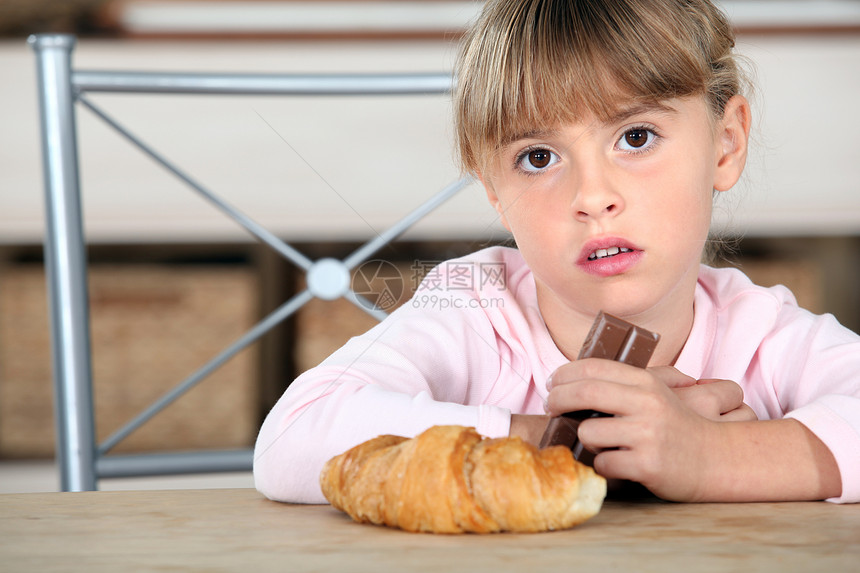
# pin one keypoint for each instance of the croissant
(451, 480)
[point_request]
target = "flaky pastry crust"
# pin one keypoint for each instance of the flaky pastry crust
(449, 479)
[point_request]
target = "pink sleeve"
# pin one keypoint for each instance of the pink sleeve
(813, 365)
(828, 400)
(835, 420)
(414, 370)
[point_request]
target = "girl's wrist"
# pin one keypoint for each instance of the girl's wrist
(528, 427)
(773, 460)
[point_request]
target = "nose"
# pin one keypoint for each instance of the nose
(595, 197)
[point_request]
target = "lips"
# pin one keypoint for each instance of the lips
(608, 256)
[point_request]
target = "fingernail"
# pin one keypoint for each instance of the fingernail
(549, 383)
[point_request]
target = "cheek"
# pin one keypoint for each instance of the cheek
(529, 211)
(539, 234)
(520, 222)
(677, 214)
(680, 194)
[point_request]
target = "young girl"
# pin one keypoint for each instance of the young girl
(601, 130)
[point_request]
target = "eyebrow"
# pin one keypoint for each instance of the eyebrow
(530, 134)
(626, 113)
(620, 116)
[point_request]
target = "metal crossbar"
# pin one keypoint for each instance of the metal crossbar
(81, 462)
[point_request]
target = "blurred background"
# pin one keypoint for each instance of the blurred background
(172, 282)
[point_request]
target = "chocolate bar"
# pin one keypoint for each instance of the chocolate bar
(614, 339)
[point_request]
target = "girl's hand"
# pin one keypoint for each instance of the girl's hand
(664, 432)
(718, 400)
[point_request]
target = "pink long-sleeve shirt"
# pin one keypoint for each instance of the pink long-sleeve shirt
(470, 348)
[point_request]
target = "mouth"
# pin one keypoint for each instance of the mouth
(609, 256)
(608, 252)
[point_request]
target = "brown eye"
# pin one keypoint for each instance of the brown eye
(636, 137)
(536, 159)
(540, 158)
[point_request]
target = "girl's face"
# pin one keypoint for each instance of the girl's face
(614, 215)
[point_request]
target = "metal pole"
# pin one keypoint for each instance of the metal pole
(263, 84)
(65, 265)
(175, 463)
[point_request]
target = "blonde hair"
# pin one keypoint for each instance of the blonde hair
(535, 64)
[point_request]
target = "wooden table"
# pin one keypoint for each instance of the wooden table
(238, 530)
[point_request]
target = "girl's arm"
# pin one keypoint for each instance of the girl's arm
(681, 455)
(408, 373)
(770, 460)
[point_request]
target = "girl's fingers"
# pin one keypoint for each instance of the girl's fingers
(598, 434)
(618, 464)
(595, 369)
(601, 395)
(598, 368)
(672, 377)
(742, 414)
(607, 386)
(712, 398)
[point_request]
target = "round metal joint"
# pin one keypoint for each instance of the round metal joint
(328, 279)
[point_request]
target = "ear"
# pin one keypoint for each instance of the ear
(493, 198)
(733, 132)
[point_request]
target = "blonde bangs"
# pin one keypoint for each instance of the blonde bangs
(535, 64)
